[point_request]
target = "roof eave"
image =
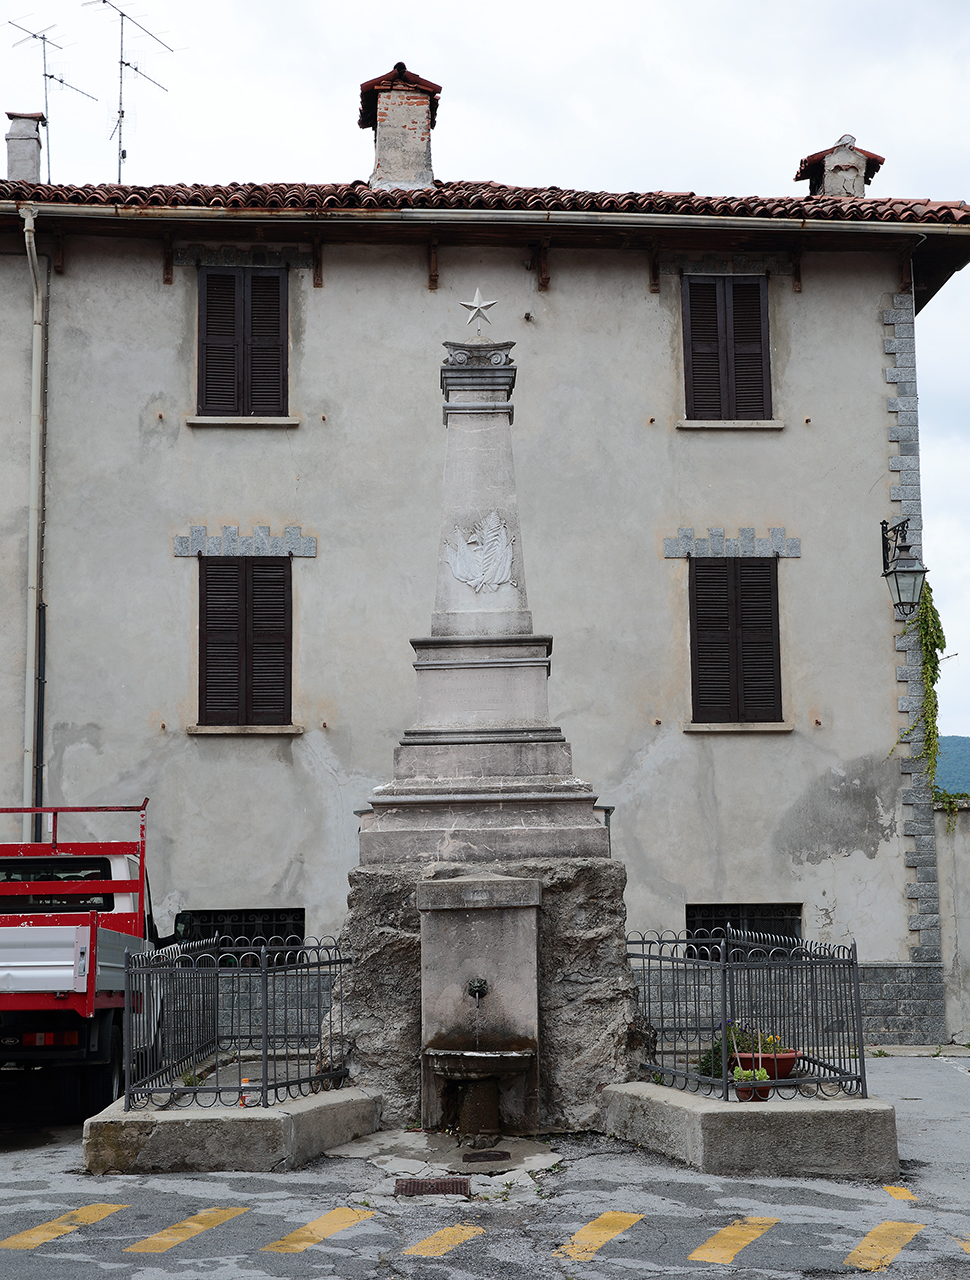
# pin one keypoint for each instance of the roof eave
(490, 217)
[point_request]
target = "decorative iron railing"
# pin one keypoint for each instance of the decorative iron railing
(218, 1024)
(749, 1015)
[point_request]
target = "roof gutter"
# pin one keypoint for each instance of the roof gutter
(524, 218)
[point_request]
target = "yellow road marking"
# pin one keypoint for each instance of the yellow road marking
(61, 1226)
(319, 1229)
(442, 1241)
(964, 1244)
(882, 1244)
(595, 1234)
(900, 1193)
(181, 1231)
(731, 1240)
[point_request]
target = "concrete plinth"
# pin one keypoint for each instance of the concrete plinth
(586, 993)
(831, 1137)
(198, 1140)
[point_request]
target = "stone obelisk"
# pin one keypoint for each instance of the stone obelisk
(483, 786)
(482, 775)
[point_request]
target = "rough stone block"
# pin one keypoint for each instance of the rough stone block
(587, 994)
(198, 1140)
(925, 953)
(832, 1137)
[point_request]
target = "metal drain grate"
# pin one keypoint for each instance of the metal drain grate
(432, 1187)
(483, 1157)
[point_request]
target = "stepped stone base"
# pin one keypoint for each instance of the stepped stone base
(825, 1137)
(587, 997)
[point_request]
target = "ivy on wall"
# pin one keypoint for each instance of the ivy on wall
(932, 641)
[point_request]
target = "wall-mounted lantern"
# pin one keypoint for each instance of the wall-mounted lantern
(902, 569)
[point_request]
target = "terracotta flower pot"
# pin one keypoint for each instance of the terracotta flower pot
(779, 1066)
(747, 1092)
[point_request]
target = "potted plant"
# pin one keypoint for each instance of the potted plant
(741, 1077)
(754, 1049)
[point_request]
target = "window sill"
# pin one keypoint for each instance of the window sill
(241, 422)
(246, 730)
(754, 726)
(737, 424)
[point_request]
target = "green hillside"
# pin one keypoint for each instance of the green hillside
(953, 764)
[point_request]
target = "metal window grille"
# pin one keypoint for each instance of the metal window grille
(782, 919)
(749, 1001)
(214, 1024)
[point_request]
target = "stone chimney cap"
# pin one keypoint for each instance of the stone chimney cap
(811, 166)
(27, 115)
(397, 78)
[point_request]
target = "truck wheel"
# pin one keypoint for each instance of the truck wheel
(104, 1083)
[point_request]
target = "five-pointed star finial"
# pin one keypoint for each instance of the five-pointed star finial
(478, 306)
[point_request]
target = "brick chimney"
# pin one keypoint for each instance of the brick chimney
(400, 107)
(842, 170)
(23, 146)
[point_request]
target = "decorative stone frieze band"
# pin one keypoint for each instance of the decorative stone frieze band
(229, 256)
(686, 545)
(198, 542)
(928, 1025)
(722, 265)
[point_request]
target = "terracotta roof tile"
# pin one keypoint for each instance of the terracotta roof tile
(473, 196)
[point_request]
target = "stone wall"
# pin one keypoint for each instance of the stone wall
(903, 1004)
(587, 999)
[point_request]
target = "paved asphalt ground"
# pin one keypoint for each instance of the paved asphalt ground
(608, 1211)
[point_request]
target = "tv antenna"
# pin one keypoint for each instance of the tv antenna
(45, 40)
(132, 66)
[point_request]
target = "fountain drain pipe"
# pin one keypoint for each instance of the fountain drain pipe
(31, 688)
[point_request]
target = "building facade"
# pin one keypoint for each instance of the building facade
(231, 440)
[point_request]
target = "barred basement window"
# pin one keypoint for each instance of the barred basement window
(242, 341)
(245, 640)
(726, 347)
(783, 919)
(734, 645)
(245, 924)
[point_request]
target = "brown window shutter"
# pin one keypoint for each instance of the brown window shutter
(270, 640)
(734, 636)
(713, 668)
(266, 342)
(220, 341)
(222, 640)
(749, 382)
(758, 649)
(705, 347)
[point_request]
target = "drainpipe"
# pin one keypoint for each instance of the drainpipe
(34, 515)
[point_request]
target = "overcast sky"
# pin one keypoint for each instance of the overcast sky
(708, 97)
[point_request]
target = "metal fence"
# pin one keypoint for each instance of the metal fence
(233, 1023)
(749, 1015)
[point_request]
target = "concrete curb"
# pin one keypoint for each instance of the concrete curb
(829, 1137)
(254, 1140)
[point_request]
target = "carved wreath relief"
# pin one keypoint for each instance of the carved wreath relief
(484, 558)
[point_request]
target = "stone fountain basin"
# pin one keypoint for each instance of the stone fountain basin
(479, 1064)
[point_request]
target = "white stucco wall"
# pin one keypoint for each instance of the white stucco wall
(953, 861)
(810, 816)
